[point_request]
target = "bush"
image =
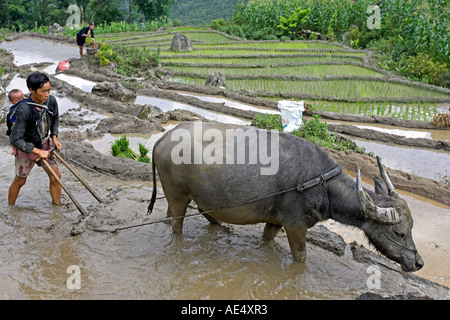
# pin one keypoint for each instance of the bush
(425, 69)
(292, 25)
(352, 37)
(268, 122)
(131, 61)
(313, 130)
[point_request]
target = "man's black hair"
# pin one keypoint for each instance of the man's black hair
(36, 80)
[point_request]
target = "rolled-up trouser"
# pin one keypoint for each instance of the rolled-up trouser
(25, 162)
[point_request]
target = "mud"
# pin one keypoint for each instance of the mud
(230, 263)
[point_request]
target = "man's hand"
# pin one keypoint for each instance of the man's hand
(56, 143)
(41, 154)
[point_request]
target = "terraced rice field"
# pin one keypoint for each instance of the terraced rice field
(331, 76)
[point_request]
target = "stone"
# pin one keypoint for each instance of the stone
(55, 29)
(180, 43)
(217, 79)
(115, 91)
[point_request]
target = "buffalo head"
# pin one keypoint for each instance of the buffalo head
(388, 222)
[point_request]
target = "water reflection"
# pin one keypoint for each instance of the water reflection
(78, 82)
(167, 105)
(32, 50)
(425, 163)
(231, 103)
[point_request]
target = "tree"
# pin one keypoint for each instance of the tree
(103, 11)
(153, 9)
(26, 14)
(292, 25)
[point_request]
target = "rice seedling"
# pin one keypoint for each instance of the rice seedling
(121, 148)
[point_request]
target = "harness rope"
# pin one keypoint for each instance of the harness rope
(302, 187)
(395, 241)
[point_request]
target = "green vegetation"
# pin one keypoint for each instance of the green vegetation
(122, 26)
(328, 75)
(201, 12)
(21, 15)
(407, 29)
(3, 33)
(121, 148)
(130, 61)
(313, 130)
(292, 25)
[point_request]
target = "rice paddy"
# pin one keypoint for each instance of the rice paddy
(330, 76)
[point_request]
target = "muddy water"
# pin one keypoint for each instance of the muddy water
(425, 163)
(82, 84)
(167, 105)
(32, 50)
(440, 135)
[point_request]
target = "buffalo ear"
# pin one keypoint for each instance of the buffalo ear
(380, 186)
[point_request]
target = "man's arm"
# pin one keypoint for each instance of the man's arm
(54, 125)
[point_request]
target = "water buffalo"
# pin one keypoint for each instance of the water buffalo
(225, 169)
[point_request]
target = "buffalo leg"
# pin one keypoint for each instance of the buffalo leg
(271, 231)
(209, 218)
(176, 211)
(297, 242)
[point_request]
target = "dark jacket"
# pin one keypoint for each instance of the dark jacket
(80, 39)
(26, 132)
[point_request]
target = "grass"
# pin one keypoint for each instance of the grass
(255, 59)
(338, 89)
(310, 71)
(420, 111)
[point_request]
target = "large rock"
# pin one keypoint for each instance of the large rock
(149, 111)
(115, 91)
(217, 79)
(180, 43)
(123, 125)
(55, 29)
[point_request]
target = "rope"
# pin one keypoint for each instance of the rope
(98, 172)
(393, 240)
(192, 215)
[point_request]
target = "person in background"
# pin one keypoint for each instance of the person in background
(86, 32)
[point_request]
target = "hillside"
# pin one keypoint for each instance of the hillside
(197, 12)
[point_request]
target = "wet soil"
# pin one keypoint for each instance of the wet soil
(230, 263)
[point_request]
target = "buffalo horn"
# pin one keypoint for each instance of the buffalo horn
(370, 210)
(387, 180)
